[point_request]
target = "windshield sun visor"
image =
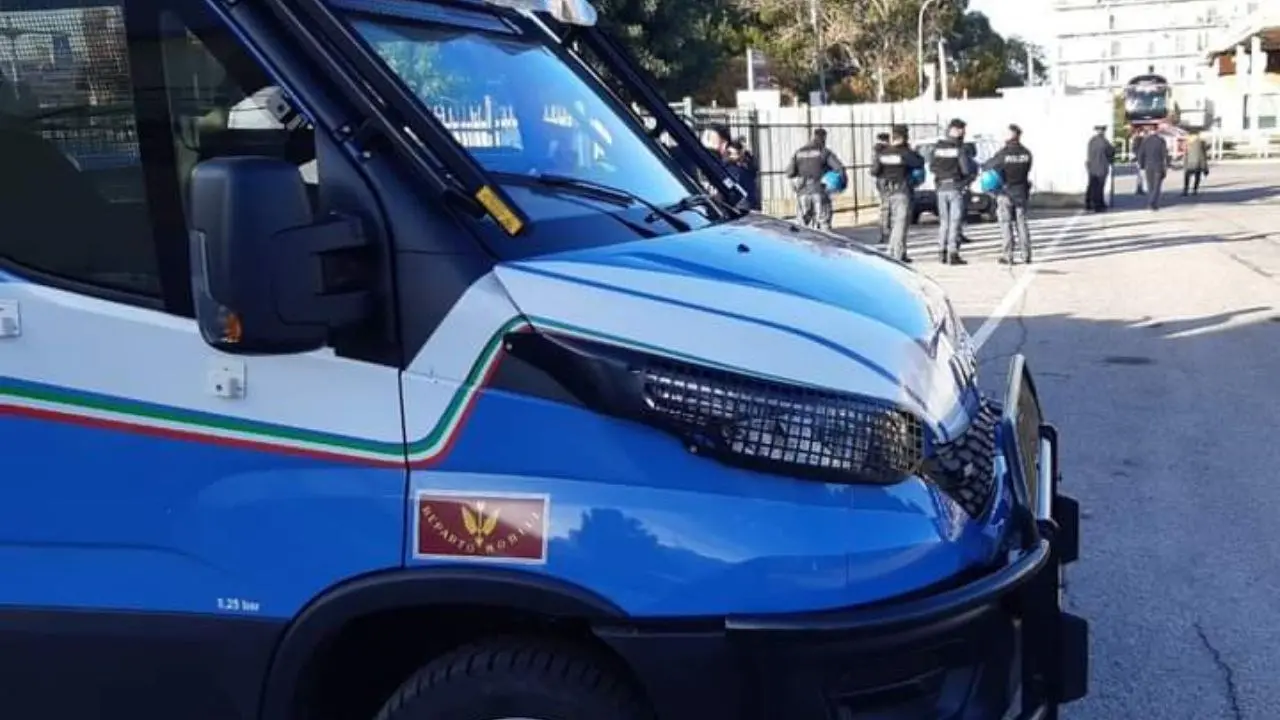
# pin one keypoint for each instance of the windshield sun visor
(570, 12)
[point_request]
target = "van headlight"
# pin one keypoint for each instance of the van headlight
(741, 420)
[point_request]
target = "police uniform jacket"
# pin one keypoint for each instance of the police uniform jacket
(1013, 162)
(891, 166)
(949, 164)
(1101, 155)
(1153, 154)
(809, 164)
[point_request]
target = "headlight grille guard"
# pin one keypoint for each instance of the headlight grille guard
(740, 420)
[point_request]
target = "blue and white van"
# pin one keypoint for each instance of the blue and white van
(450, 394)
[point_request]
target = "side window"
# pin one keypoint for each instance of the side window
(72, 197)
(221, 102)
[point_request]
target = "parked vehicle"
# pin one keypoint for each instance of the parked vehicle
(981, 205)
(447, 392)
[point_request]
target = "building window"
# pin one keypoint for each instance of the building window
(1114, 73)
(1111, 22)
(1115, 48)
(1182, 71)
(1180, 43)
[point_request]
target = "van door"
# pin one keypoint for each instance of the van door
(164, 508)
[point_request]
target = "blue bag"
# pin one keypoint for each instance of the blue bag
(990, 181)
(833, 181)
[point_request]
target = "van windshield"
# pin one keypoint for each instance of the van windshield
(518, 108)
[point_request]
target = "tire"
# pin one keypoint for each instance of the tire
(507, 678)
(915, 217)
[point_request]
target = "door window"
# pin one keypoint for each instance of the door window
(72, 195)
(222, 104)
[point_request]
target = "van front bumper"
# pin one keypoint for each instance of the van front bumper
(992, 645)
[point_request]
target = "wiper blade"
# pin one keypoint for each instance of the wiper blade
(608, 193)
(711, 202)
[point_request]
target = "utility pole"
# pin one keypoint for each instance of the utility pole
(817, 50)
(942, 69)
(920, 46)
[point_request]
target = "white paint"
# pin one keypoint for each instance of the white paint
(1020, 287)
(781, 345)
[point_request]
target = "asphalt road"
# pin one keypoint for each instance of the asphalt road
(1155, 338)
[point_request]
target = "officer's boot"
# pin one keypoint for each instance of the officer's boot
(955, 259)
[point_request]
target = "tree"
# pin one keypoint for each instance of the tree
(684, 43)
(984, 61)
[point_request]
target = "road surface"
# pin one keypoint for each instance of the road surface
(1155, 338)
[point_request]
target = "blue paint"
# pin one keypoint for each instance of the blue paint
(98, 518)
(659, 531)
(865, 284)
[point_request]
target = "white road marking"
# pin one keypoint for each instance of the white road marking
(1024, 281)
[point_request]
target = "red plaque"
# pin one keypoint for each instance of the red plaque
(482, 526)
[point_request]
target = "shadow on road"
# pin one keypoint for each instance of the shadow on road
(1166, 427)
(1061, 237)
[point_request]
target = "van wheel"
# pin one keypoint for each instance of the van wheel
(514, 679)
(915, 217)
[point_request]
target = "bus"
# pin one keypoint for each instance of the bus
(1148, 100)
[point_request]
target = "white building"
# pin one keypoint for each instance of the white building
(1105, 43)
(1245, 84)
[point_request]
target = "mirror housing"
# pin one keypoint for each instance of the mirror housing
(266, 276)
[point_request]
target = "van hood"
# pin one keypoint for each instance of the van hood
(770, 299)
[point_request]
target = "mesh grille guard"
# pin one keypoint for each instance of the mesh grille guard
(790, 429)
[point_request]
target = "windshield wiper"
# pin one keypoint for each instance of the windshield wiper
(711, 202)
(608, 193)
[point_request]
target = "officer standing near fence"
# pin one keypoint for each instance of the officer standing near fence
(952, 172)
(891, 167)
(1013, 163)
(805, 170)
(882, 142)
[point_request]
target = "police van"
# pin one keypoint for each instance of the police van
(445, 393)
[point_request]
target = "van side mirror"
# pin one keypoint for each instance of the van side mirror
(267, 277)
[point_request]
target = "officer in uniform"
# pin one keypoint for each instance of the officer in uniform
(891, 167)
(1013, 162)
(805, 170)
(952, 173)
(882, 142)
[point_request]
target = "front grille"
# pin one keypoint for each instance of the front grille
(781, 427)
(965, 467)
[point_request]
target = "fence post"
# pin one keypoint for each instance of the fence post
(853, 163)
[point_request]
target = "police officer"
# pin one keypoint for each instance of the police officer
(891, 167)
(805, 170)
(1101, 155)
(882, 142)
(952, 172)
(1013, 162)
(1153, 165)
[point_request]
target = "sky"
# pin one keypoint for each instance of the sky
(1027, 18)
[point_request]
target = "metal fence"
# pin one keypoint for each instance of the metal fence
(774, 143)
(64, 75)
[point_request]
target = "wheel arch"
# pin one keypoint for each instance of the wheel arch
(498, 589)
